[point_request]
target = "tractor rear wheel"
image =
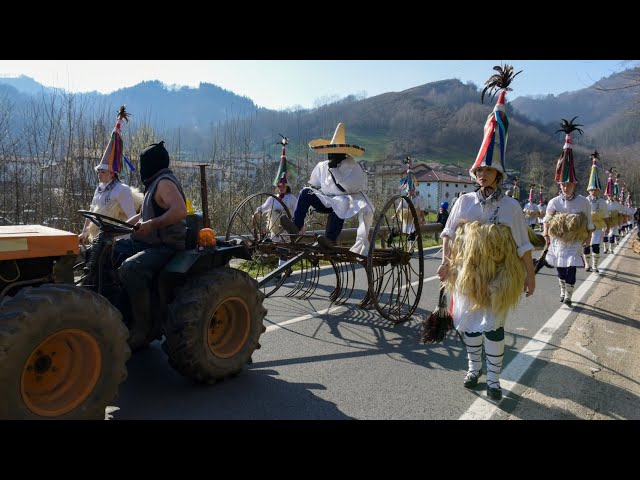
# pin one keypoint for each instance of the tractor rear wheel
(214, 324)
(63, 351)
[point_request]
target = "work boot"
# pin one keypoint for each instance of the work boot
(288, 225)
(325, 242)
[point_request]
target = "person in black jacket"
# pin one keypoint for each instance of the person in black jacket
(443, 213)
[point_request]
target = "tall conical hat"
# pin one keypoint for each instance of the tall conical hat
(281, 174)
(541, 199)
(114, 153)
(565, 170)
(616, 187)
(409, 181)
(594, 179)
(609, 189)
(531, 194)
(497, 125)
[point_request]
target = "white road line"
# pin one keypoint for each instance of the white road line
(271, 328)
(483, 409)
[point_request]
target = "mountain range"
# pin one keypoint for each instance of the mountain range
(436, 122)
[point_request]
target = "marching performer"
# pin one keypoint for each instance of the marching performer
(530, 209)
(542, 207)
(112, 197)
(409, 183)
(485, 287)
(567, 222)
(599, 212)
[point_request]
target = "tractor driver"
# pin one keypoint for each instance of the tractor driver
(159, 231)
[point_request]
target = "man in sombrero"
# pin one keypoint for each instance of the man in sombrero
(336, 187)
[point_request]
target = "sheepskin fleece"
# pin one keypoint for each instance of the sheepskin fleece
(569, 227)
(485, 267)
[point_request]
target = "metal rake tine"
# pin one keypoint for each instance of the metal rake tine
(345, 289)
(335, 293)
(312, 283)
(301, 279)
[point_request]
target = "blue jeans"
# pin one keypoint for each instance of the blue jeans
(308, 199)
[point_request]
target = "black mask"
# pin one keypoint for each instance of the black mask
(153, 159)
(335, 159)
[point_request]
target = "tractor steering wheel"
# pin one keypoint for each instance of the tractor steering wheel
(107, 224)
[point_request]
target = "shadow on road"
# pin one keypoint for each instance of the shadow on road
(154, 391)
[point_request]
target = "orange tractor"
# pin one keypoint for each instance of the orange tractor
(63, 341)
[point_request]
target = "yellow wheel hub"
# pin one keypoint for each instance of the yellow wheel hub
(61, 373)
(229, 327)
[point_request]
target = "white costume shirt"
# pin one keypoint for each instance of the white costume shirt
(114, 191)
(613, 207)
(272, 209)
(598, 205)
(352, 201)
(470, 209)
(561, 253)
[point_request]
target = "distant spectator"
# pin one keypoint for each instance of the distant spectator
(443, 213)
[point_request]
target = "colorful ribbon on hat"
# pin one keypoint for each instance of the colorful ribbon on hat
(497, 122)
(409, 181)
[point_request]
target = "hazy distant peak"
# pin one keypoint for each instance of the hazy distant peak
(23, 84)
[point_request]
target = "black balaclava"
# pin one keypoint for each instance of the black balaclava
(335, 159)
(153, 159)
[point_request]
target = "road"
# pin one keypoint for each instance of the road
(348, 363)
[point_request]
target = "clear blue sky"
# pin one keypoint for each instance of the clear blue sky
(279, 84)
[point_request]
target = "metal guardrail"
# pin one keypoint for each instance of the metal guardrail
(348, 235)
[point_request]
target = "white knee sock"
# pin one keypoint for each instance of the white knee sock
(474, 351)
(569, 292)
(494, 353)
(563, 288)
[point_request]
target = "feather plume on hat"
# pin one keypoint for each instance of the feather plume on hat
(565, 170)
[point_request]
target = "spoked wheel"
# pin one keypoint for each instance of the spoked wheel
(261, 234)
(395, 262)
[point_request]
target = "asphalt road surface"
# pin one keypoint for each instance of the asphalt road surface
(344, 363)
